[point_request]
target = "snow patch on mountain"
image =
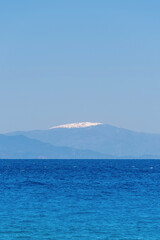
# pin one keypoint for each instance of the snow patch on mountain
(77, 125)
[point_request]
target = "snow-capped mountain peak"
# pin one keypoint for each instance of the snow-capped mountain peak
(77, 125)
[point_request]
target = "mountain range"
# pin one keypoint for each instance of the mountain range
(80, 140)
(21, 147)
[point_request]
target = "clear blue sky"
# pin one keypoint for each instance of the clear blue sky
(65, 61)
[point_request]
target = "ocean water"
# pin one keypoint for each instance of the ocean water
(80, 199)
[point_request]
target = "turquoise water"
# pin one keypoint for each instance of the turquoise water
(80, 199)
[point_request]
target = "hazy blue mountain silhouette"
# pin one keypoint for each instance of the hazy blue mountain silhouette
(105, 139)
(21, 147)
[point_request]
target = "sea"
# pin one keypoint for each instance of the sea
(80, 199)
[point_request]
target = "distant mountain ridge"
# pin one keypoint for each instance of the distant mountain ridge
(102, 138)
(21, 147)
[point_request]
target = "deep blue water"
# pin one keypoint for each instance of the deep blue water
(79, 199)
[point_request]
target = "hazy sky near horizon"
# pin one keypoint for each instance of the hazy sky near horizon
(67, 61)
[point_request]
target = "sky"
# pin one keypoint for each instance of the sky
(71, 61)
